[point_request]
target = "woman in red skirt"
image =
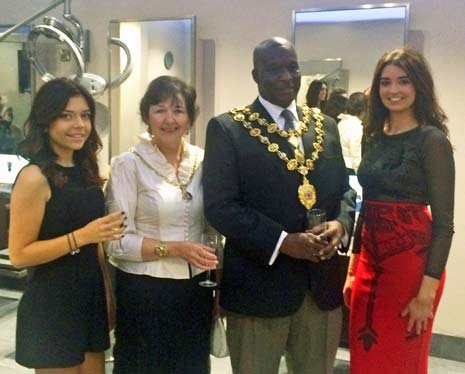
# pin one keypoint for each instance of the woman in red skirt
(404, 232)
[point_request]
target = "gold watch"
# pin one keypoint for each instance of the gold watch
(161, 249)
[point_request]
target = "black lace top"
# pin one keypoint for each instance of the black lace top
(415, 166)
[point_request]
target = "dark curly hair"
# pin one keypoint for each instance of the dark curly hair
(167, 87)
(49, 103)
(426, 108)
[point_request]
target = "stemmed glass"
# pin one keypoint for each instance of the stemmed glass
(212, 241)
(112, 206)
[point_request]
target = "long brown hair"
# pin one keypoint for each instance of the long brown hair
(426, 108)
(50, 101)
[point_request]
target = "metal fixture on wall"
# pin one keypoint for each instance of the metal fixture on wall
(76, 38)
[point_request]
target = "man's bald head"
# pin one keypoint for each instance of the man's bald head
(276, 71)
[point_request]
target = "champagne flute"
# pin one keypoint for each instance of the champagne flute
(212, 241)
(112, 206)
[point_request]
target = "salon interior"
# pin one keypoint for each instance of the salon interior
(116, 47)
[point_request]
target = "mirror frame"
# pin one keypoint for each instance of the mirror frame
(192, 57)
(356, 7)
(327, 16)
(20, 36)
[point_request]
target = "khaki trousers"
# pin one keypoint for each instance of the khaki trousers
(309, 339)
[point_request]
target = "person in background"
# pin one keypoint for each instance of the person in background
(163, 315)
(335, 105)
(56, 220)
(350, 128)
(397, 269)
(281, 288)
(317, 94)
(338, 91)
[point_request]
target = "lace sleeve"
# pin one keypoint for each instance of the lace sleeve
(439, 169)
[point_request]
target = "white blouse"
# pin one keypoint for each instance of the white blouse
(155, 208)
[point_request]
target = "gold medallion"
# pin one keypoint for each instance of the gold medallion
(292, 164)
(307, 194)
(273, 147)
(239, 117)
(272, 127)
(253, 116)
(255, 132)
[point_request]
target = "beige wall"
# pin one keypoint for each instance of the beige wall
(238, 25)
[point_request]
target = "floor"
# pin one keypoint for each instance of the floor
(9, 301)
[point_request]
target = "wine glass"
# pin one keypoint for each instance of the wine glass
(212, 241)
(112, 206)
(316, 219)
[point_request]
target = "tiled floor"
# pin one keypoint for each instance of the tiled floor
(8, 304)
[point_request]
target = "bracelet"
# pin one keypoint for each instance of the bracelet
(161, 250)
(71, 250)
(76, 249)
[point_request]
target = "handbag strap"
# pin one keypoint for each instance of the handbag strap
(109, 294)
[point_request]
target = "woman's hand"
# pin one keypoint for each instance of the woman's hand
(418, 312)
(109, 227)
(347, 290)
(198, 255)
(420, 308)
(350, 279)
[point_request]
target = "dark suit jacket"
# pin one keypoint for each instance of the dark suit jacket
(250, 197)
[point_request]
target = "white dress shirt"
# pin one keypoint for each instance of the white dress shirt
(155, 208)
(351, 131)
(275, 113)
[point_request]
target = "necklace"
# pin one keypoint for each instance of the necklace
(306, 191)
(186, 195)
(388, 130)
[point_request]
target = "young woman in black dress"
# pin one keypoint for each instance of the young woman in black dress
(57, 219)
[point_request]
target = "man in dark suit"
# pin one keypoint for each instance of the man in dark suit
(262, 170)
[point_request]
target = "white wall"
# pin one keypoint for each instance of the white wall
(238, 25)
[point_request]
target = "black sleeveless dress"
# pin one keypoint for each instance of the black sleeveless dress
(62, 313)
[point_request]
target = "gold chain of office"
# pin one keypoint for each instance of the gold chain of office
(306, 191)
(186, 195)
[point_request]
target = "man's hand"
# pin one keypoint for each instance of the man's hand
(332, 234)
(303, 245)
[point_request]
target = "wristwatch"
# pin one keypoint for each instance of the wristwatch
(161, 249)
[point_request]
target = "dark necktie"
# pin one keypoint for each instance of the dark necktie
(289, 119)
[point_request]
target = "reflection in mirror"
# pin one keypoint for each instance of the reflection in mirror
(342, 46)
(15, 88)
(158, 47)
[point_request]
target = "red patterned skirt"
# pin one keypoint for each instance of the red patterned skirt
(395, 242)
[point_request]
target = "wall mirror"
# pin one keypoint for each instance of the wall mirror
(15, 88)
(343, 45)
(158, 47)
